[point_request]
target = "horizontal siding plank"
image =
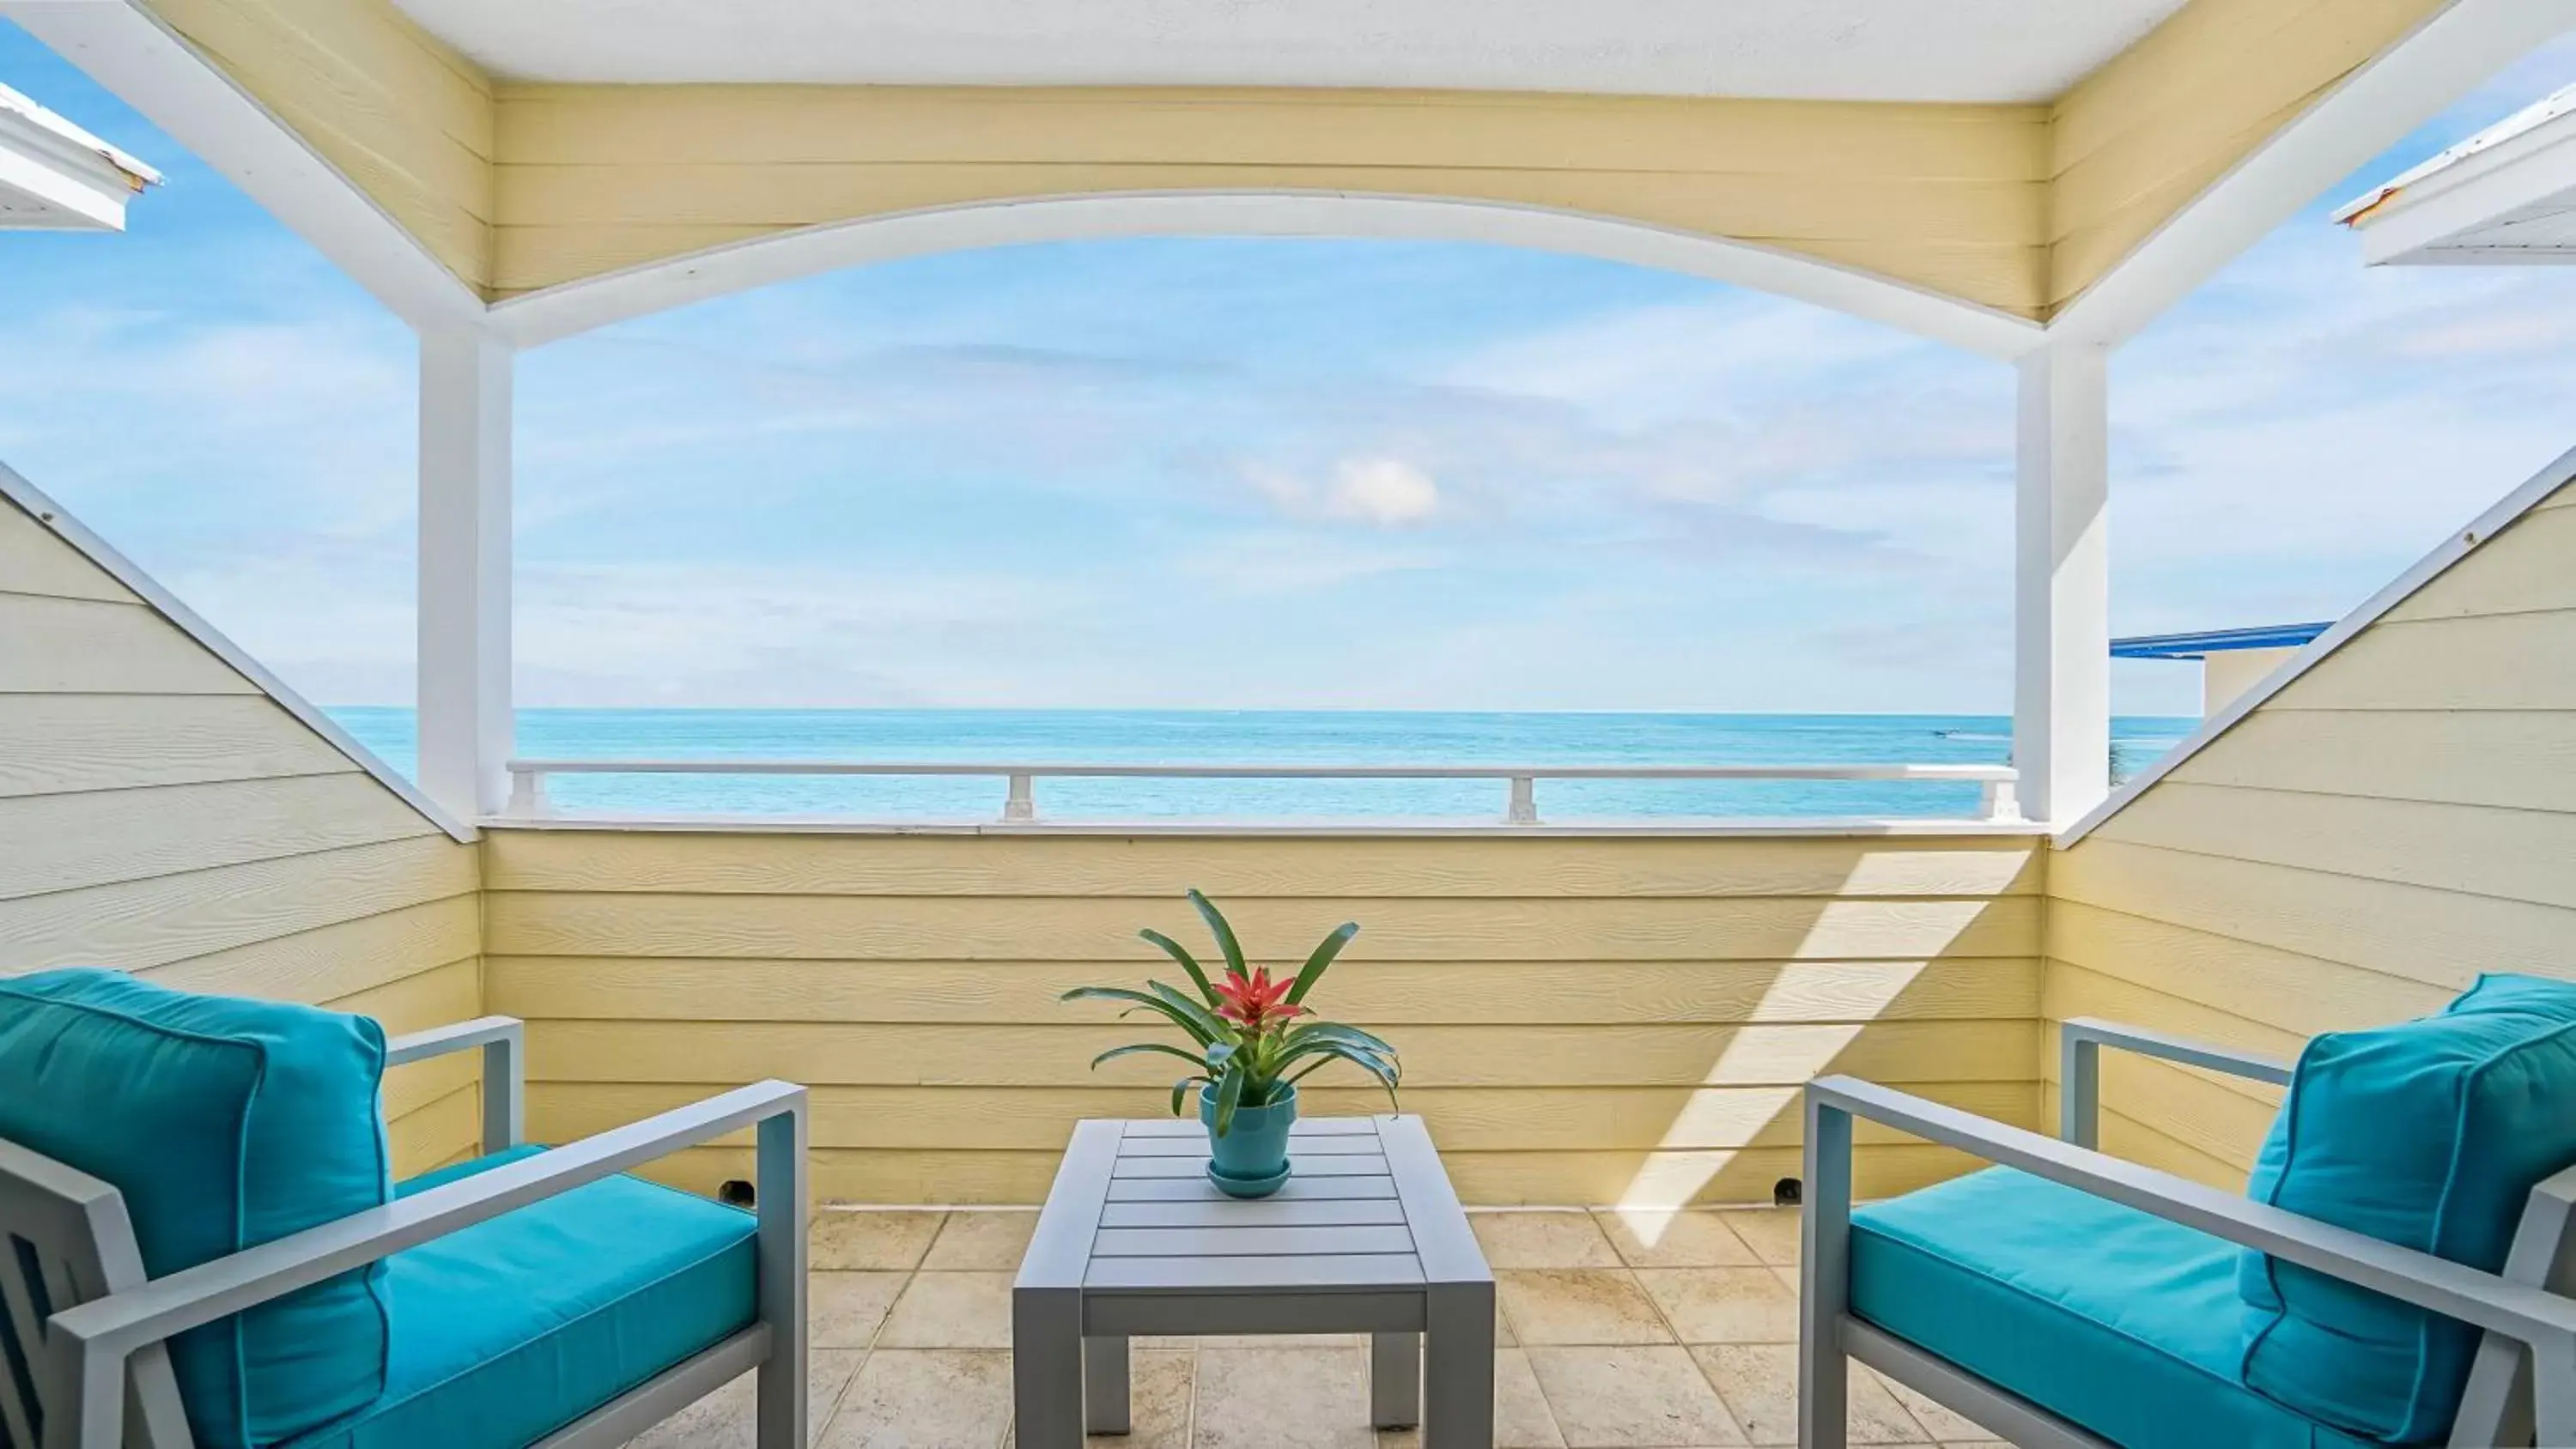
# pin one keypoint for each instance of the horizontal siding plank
(1460, 1118)
(64, 842)
(2194, 1110)
(431, 996)
(53, 744)
(1498, 1179)
(435, 1133)
(34, 561)
(409, 1088)
(629, 126)
(337, 960)
(2520, 570)
(2075, 992)
(2519, 760)
(811, 927)
(370, 43)
(2012, 276)
(82, 646)
(2399, 929)
(1434, 1056)
(1783, 205)
(2495, 661)
(2126, 1137)
(2163, 72)
(1149, 866)
(141, 924)
(1540, 993)
(442, 994)
(2476, 849)
(2300, 994)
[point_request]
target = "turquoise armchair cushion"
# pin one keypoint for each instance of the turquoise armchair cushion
(2113, 1319)
(224, 1123)
(508, 1330)
(2429, 1134)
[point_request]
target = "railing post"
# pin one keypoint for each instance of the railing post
(1022, 804)
(527, 791)
(2000, 801)
(1524, 809)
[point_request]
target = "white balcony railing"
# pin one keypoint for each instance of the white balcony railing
(1019, 803)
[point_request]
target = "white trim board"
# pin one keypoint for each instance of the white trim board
(578, 306)
(27, 496)
(2462, 543)
(2373, 108)
(124, 47)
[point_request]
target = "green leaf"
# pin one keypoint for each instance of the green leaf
(1352, 1036)
(1213, 1027)
(1224, 933)
(1184, 1020)
(1147, 1046)
(1229, 1095)
(1329, 1052)
(1189, 963)
(1180, 1090)
(1313, 970)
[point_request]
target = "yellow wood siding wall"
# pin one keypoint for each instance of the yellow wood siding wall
(1582, 1020)
(2353, 852)
(2138, 139)
(158, 813)
(396, 111)
(594, 178)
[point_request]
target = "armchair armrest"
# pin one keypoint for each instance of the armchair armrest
(89, 1344)
(2079, 1075)
(504, 1040)
(2528, 1314)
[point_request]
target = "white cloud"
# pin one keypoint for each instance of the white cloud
(1385, 491)
(1382, 492)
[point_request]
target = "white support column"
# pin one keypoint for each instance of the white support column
(2062, 584)
(465, 728)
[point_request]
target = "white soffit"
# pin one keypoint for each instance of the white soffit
(2505, 195)
(1912, 50)
(54, 176)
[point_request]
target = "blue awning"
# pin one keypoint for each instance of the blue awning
(2213, 641)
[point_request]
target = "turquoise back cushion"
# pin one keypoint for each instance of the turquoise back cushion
(2429, 1134)
(224, 1123)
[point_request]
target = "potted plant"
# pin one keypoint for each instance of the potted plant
(1248, 1048)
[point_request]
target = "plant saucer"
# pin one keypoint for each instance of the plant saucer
(1263, 1186)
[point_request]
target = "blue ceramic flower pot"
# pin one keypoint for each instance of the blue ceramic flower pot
(1251, 1159)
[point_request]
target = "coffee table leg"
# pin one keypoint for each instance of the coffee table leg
(1458, 1372)
(1104, 1385)
(1046, 1367)
(1395, 1380)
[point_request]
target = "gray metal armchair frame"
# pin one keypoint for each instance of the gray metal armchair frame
(101, 1371)
(2524, 1377)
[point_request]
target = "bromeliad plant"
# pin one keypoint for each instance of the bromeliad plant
(1249, 1046)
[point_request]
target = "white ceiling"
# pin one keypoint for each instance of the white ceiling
(1933, 50)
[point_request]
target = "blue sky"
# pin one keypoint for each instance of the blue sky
(1247, 473)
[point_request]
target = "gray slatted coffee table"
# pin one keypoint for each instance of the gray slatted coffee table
(1366, 1238)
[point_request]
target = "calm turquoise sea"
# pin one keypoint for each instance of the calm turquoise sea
(1262, 737)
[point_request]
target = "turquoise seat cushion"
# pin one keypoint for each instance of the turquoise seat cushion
(2120, 1322)
(224, 1123)
(2429, 1134)
(508, 1330)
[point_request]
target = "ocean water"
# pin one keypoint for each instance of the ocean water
(1259, 737)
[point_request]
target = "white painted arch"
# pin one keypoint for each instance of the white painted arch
(576, 307)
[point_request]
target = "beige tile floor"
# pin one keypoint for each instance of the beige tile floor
(1671, 1332)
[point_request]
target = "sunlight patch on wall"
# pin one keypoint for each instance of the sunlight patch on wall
(1674, 1173)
